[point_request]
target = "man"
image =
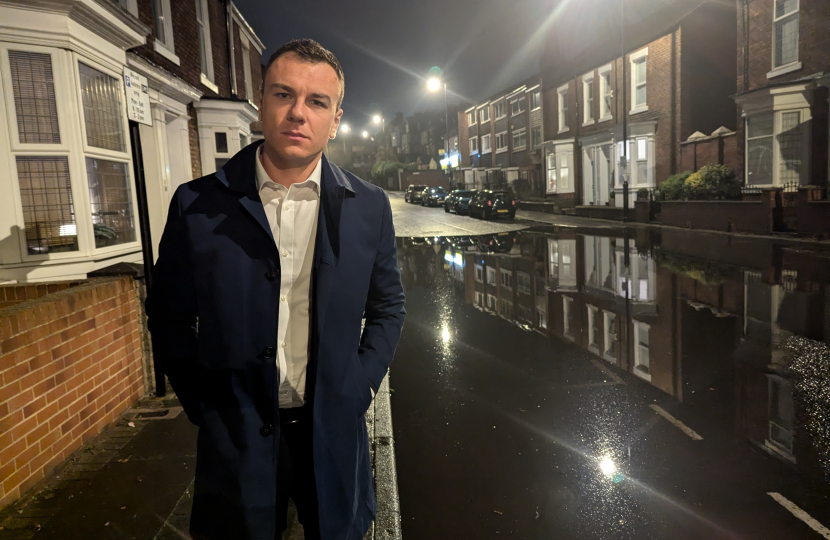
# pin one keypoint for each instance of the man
(266, 270)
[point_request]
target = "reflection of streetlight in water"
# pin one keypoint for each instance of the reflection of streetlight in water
(607, 466)
(445, 334)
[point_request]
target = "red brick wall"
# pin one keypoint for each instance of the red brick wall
(813, 42)
(186, 43)
(70, 363)
(11, 295)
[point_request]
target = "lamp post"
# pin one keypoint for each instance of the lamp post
(344, 129)
(624, 115)
(433, 84)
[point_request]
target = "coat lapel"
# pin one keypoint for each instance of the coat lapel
(239, 174)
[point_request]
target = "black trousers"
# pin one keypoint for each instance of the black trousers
(295, 473)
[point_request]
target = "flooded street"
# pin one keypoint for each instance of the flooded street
(577, 382)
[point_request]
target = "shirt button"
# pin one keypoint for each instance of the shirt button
(282, 299)
(266, 430)
(282, 344)
(284, 253)
(272, 274)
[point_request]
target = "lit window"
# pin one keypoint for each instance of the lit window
(111, 202)
(759, 142)
(103, 113)
(553, 258)
(48, 206)
(33, 88)
(785, 35)
(641, 351)
(491, 275)
(789, 148)
(479, 273)
(564, 173)
(551, 169)
(484, 114)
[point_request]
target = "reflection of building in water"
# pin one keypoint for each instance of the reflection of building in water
(706, 331)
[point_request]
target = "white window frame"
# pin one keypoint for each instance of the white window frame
(471, 118)
(517, 106)
(638, 360)
(609, 338)
(501, 137)
(246, 70)
(479, 299)
(491, 276)
(486, 147)
(167, 47)
(564, 182)
(499, 107)
(634, 59)
(588, 99)
(804, 118)
(551, 180)
(593, 311)
(535, 142)
(492, 302)
(523, 283)
(73, 146)
(535, 100)
(203, 27)
(506, 279)
(606, 112)
(567, 313)
(562, 107)
(484, 114)
(518, 133)
(479, 274)
(473, 145)
(796, 64)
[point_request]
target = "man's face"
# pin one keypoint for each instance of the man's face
(299, 109)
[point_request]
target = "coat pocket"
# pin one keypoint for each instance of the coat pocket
(363, 388)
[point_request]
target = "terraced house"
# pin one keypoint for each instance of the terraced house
(67, 169)
(500, 139)
(679, 69)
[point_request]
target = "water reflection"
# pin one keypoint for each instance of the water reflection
(705, 322)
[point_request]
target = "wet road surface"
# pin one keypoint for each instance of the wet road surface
(574, 383)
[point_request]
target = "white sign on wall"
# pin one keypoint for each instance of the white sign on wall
(138, 97)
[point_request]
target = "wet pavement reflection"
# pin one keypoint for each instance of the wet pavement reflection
(561, 383)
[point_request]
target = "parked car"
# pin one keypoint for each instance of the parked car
(433, 196)
(488, 204)
(458, 201)
(413, 194)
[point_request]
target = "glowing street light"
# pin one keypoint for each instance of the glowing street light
(365, 134)
(344, 128)
(376, 119)
(607, 467)
(433, 84)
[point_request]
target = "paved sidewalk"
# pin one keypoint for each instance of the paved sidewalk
(135, 481)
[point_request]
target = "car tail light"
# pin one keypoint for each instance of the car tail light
(514, 203)
(489, 203)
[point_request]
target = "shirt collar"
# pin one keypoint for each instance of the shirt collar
(262, 177)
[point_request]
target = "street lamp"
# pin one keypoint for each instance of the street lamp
(624, 163)
(365, 134)
(433, 84)
(344, 129)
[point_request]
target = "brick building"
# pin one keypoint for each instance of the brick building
(679, 72)
(500, 139)
(65, 149)
(783, 78)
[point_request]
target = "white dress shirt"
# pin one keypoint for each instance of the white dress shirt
(292, 215)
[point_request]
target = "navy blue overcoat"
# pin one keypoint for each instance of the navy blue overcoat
(213, 321)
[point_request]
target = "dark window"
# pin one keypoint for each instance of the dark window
(221, 142)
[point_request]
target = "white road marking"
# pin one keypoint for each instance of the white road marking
(677, 423)
(800, 514)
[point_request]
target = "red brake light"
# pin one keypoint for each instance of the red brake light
(514, 203)
(489, 203)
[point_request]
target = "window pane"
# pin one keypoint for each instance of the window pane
(220, 162)
(640, 73)
(786, 41)
(759, 162)
(102, 109)
(48, 209)
(783, 7)
(642, 149)
(158, 9)
(759, 125)
(34, 97)
(789, 142)
(641, 95)
(221, 142)
(642, 172)
(243, 141)
(110, 201)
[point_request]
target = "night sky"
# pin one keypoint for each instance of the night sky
(387, 47)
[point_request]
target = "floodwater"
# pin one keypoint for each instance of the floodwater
(560, 383)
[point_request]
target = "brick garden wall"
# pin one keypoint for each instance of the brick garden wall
(70, 363)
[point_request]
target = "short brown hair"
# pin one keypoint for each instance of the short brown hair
(310, 51)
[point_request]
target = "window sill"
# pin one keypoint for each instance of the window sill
(569, 336)
(165, 52)
(588, 123)
(501, 117)
(642, 374)
(520, 149)
(605, 119)
(638, 110)
(207, 83)
(561, 131)
(789, 68)
(485, 152)
(501, 150)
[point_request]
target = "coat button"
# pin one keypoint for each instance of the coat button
(272, 274)
(268, 352)
(266, 430)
